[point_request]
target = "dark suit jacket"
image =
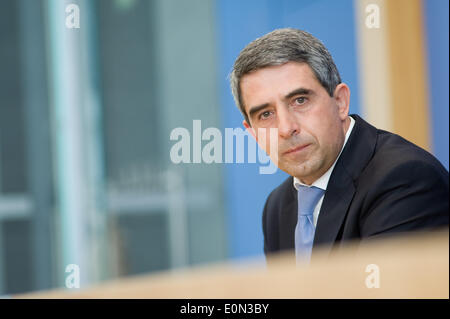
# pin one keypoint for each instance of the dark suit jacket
(381, 184)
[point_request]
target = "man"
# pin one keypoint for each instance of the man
(348, 179)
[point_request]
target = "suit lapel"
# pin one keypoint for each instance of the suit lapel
(341, 187)
(338, 196)
(288, 221)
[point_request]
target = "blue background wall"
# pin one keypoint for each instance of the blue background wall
(436, 32)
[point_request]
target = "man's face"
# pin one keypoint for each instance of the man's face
(311, 124)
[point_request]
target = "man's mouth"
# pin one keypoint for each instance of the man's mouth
(296, 149)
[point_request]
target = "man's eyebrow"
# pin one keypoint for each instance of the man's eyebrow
(299, 91)
(255, 109)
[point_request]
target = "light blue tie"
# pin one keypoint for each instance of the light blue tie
(308, 197)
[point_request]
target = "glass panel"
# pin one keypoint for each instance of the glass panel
(96, 127)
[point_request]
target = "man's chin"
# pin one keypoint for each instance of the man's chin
(296, 169)
(301, 171)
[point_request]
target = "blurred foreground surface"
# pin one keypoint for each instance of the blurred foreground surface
(412, 266)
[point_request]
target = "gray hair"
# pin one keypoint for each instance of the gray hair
(279, 47)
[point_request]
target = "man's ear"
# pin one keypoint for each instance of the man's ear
(342, 98)
(249, 129)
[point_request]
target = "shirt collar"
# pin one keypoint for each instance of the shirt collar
(322, 181)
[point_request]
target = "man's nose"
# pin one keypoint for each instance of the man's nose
(287, 123)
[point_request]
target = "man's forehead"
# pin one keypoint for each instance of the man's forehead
(279, 79)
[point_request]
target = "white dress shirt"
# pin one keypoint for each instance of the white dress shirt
(322, 181)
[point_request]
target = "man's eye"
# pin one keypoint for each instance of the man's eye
(265, 115)
(300, 100)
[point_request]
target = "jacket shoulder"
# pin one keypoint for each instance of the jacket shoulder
(396, 154)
